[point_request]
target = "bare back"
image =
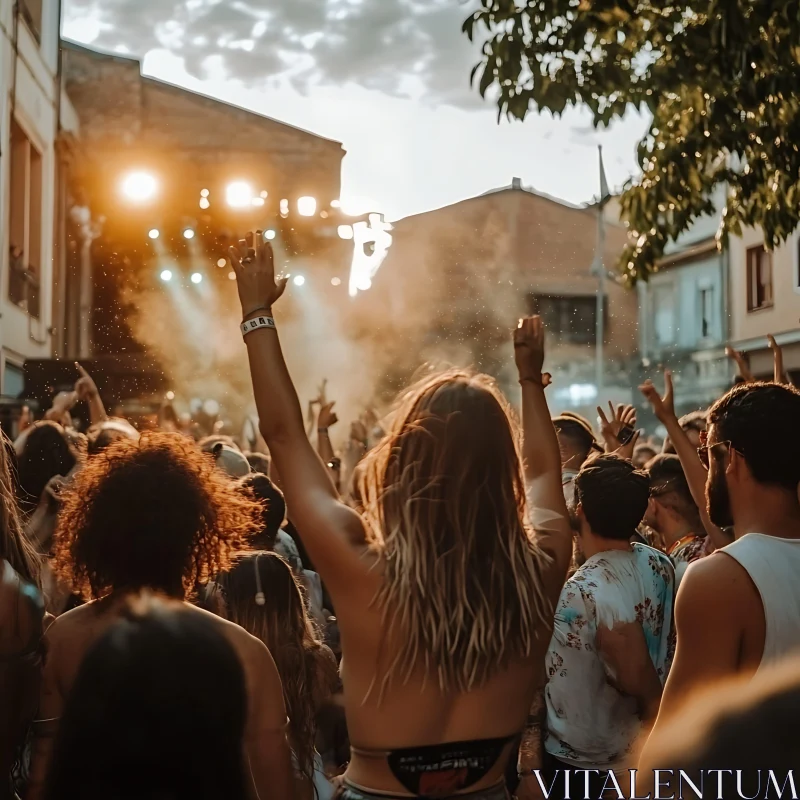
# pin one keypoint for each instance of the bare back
(416, 712)
(72, 635)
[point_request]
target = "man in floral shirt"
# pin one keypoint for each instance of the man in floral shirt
(590, 724)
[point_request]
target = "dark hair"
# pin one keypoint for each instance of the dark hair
(669, 485)
(307, 668)
(613, 495)
(258, 462)
(47, 452)
(762, 423)
(273, 508)
(143, 720)
(153, 513)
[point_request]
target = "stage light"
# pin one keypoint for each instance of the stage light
(336, 281)
(211, 407)
(265, 194)
(204, 204)
(196, 277)
(345, 231)
(269, 235)
(239, 194)
(170, 395)
(222, 262)
(284, 208)
(154, 233)
(204, 193)
(335, 204)
(139, 186)
(323, 214)
(298, 280)
(306, 206)
(188, 234)
(231, 276)
(258, 201)
(166, 275)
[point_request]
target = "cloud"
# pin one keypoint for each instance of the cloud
(399, 47)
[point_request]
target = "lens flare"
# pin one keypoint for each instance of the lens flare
(139, 186)
(166, 275)
(188, 234)
(298, 280)
(196, 277)
(154, 233)
(307, 206)
(239, 194)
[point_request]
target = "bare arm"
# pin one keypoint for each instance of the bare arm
(779, 371)
(741, 364)
(541, 455)
(86, 389)
(693, 468)
(328, 527)
(326, 420)
(708, 605)
(266, 741)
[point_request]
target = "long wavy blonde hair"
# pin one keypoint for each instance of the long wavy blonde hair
(444, 502)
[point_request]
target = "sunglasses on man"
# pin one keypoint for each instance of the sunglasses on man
(705, 448)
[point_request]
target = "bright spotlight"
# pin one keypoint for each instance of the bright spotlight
(265, 194)
(231, 276)
(196, 277)
(307, 206)
(154, 233)
(269, 235)
(336, 281)
(258, 201)
(166, 275)
(204, 204)
(239, 194)
(221, 262)
(298, 280)
(188, 234)
(284, 208)
(204, 193)
(335, 204)
(139, 186)
(345, 231)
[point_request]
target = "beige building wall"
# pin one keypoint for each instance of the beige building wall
(779, 316)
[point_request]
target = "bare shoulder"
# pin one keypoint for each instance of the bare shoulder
(716, 581)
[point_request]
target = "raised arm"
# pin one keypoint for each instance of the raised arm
(86, 389)
(329, 529)
(541, 454)
(741, 364)
(779, 371)
(695, 471)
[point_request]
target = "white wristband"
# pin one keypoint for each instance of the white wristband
(256, 323)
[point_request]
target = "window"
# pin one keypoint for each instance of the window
(706, 302)
(759, 278)
(13, 380)
(573, 319)
(25, 222)
(664, 315)
(31, 11)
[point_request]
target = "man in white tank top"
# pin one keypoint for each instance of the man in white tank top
(738, 609)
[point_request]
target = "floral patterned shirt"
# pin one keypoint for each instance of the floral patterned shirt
(684, 551)
(589, 723)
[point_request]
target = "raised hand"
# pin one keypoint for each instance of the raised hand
(780, 375)
(327, 417)
(663, 407)
(623, 416)
(254, 265)
(529, 350)
(741, 364)
(85, 387)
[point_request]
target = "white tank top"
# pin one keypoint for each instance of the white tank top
(774, 567)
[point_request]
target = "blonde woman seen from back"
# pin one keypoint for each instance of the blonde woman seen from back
(443, 592)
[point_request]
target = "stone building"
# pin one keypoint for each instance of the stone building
(468, 271)
(168, 172)
(37, 126)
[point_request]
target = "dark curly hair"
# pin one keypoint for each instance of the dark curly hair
(47, 452)
(153, 513)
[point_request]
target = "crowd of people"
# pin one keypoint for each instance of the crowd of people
(477, 604)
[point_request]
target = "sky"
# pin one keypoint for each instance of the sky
(387, 78)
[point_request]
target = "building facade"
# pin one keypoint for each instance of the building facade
(765, 299)
(683, 320)
(37, 126)
(456, 280)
